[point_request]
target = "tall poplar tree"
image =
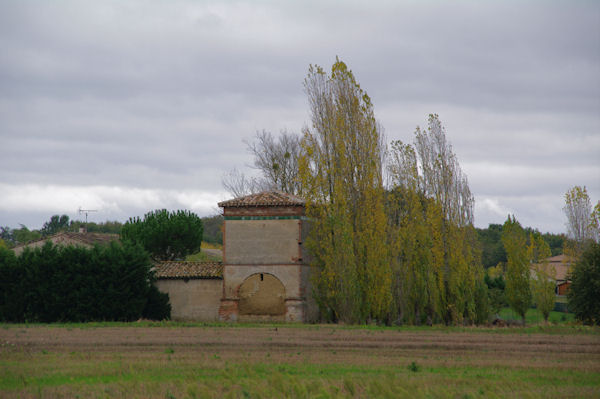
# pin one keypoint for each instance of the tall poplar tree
(518, 291)
(415, 242)
(340, 172)
(429, 171)
(544, 281)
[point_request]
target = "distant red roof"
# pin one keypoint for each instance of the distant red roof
(191, 270)
(266, 198)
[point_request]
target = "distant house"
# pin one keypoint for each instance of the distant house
(562, 266)
(65, 238)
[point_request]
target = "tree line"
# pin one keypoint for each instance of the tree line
(492, 249)
(58, 223)
(392, 237)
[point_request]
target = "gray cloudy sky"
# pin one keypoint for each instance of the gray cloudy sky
(129, 106)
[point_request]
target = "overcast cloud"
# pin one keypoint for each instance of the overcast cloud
(129, 106)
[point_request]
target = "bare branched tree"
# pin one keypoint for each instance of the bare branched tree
(277, 159)
(238, 184)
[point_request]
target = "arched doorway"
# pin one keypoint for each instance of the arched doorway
(262, 294)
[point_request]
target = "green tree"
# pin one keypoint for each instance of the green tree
(555, 242)
(595, 223)
(108, 227)
(518, 290)
(12, 292)
(6, 235)
(213, 229)
(495, 283)
(444, 181)
(544, 283)
(23, 235)
(165, 235)
(429, 172)
(585, 288)
(492, 250)
(415, 243)
(55, 224)
(341, 178)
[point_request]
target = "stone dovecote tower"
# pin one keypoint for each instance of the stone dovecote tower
(266, 275)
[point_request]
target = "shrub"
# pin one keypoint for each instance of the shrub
(414, 367)
(585, 288)
(12, 303)
(158, 306)
(57, 283)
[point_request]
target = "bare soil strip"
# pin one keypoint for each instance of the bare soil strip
(503, 348)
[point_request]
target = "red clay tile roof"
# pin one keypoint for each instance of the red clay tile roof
(191, 270)
(266, 198)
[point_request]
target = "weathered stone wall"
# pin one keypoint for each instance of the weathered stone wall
(262, 242)
(265, 276)
(288, 275)
(195, 299)
(262, 294)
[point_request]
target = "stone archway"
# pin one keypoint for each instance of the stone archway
(262, 294)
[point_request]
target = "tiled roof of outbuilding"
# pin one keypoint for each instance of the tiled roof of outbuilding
(72, 238)
(266, 198)
(92, 238)
(191, 270)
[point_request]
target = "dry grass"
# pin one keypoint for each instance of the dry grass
(278, 361)
(211, 245)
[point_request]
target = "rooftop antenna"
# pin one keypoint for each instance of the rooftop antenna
(86, 211)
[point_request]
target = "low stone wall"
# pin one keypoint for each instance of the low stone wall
(193, 299)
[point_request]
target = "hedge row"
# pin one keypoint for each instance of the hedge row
(66, 283)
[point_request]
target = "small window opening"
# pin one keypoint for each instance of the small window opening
(261, 277)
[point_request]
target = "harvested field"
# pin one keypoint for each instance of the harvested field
(303, 361)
